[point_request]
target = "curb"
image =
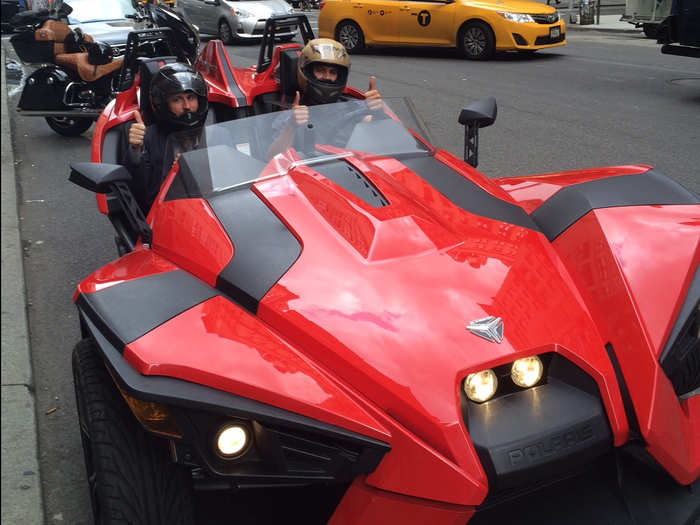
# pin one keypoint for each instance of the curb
(21, 483)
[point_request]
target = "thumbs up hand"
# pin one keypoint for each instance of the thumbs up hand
(137, 132)
(301, 112)
(372, 96)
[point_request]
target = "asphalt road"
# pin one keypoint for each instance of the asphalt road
(601, 100)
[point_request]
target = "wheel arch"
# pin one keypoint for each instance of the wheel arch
(352, 21)
(470, 20)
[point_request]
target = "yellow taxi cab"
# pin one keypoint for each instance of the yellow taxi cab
(478, 28)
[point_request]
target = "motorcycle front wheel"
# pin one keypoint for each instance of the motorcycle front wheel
(69, 126)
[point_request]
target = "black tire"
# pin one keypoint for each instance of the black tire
(225, 32)
(650, 30)
(69, 126)
(476, 41)
(350, 35)
(132, 479)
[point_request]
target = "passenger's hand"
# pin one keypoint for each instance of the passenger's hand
(372, 96)
(137, 132)
(301, 112)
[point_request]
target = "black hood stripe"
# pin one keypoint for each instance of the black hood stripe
(240, 97)
(264, 249)
(464, 193)
(124, 312)
(571, 203)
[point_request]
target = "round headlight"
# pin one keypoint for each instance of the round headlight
(527, 371)
(231, 440)
(481, 386)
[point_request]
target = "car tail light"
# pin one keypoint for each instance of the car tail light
(321, 4)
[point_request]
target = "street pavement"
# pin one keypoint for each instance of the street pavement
(21, 486)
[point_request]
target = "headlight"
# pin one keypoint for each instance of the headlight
(231, 440)
(481, 386)
(241, 13)
(517, 17)
(527, 371)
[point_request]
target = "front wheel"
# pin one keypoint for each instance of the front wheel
(69, 126)
(476, 41)
(225, 32)
(350, 35)
(131, 477)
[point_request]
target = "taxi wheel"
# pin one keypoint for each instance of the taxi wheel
(350, 35)
(476, 41)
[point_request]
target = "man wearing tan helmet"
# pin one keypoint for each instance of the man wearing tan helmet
(322, 74)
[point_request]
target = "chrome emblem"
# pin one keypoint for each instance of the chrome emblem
(490, 328)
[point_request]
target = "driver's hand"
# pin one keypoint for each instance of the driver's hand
(301, 112)
(372, 96)
(137, 132)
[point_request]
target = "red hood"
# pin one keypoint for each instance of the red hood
(382, 296)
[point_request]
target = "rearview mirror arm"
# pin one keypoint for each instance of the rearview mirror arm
(133, 214)
(471, 143)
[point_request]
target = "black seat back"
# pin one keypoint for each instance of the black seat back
(148, 67)
(289, 83)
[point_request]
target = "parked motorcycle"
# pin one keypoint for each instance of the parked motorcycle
(79, 76)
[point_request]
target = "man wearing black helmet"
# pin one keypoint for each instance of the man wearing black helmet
(179, 102)
(322, 74)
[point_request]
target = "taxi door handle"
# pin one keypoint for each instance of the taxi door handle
(405, 8)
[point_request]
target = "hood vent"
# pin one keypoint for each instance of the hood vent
(353, 181)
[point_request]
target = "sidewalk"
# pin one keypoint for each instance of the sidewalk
(21, 483)
(608, 23)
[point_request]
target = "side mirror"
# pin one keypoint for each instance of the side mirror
(103, 178)
(477, 115)
(97, 177)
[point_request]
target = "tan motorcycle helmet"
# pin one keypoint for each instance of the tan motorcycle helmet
(322, 51)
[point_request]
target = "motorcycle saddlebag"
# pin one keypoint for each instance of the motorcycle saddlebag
(44, 89)
(31, 51)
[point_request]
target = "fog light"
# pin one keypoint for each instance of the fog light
(481, 386)
(231, 440)
(526, 372)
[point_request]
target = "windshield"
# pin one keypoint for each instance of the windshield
(239, 152)
(95, 10)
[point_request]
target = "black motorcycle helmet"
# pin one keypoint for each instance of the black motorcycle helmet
(322, 51)
(178, 78)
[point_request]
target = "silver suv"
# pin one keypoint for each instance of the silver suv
(233, 20)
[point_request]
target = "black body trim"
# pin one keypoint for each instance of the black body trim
(187, 395)
(635, 432)
(571, 203)
(264, 249)
(690, 303)
(539, 433)
(124, 312)
(353, 181)
(240, 97)
(465, 194)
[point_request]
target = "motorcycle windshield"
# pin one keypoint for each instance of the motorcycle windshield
(238, 153)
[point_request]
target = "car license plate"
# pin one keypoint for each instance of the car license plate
(554, 32)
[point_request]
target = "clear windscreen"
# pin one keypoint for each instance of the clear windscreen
(237, 153)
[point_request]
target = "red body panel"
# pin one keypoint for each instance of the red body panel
(532, 190)
(187, 232)
(621, 287)
(139, 263)
(363, 504)
(218, 344)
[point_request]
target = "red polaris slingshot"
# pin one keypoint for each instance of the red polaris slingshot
(364, 329)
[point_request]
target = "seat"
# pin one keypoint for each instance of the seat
(148, 67)
(79, 63)
(289, 84)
